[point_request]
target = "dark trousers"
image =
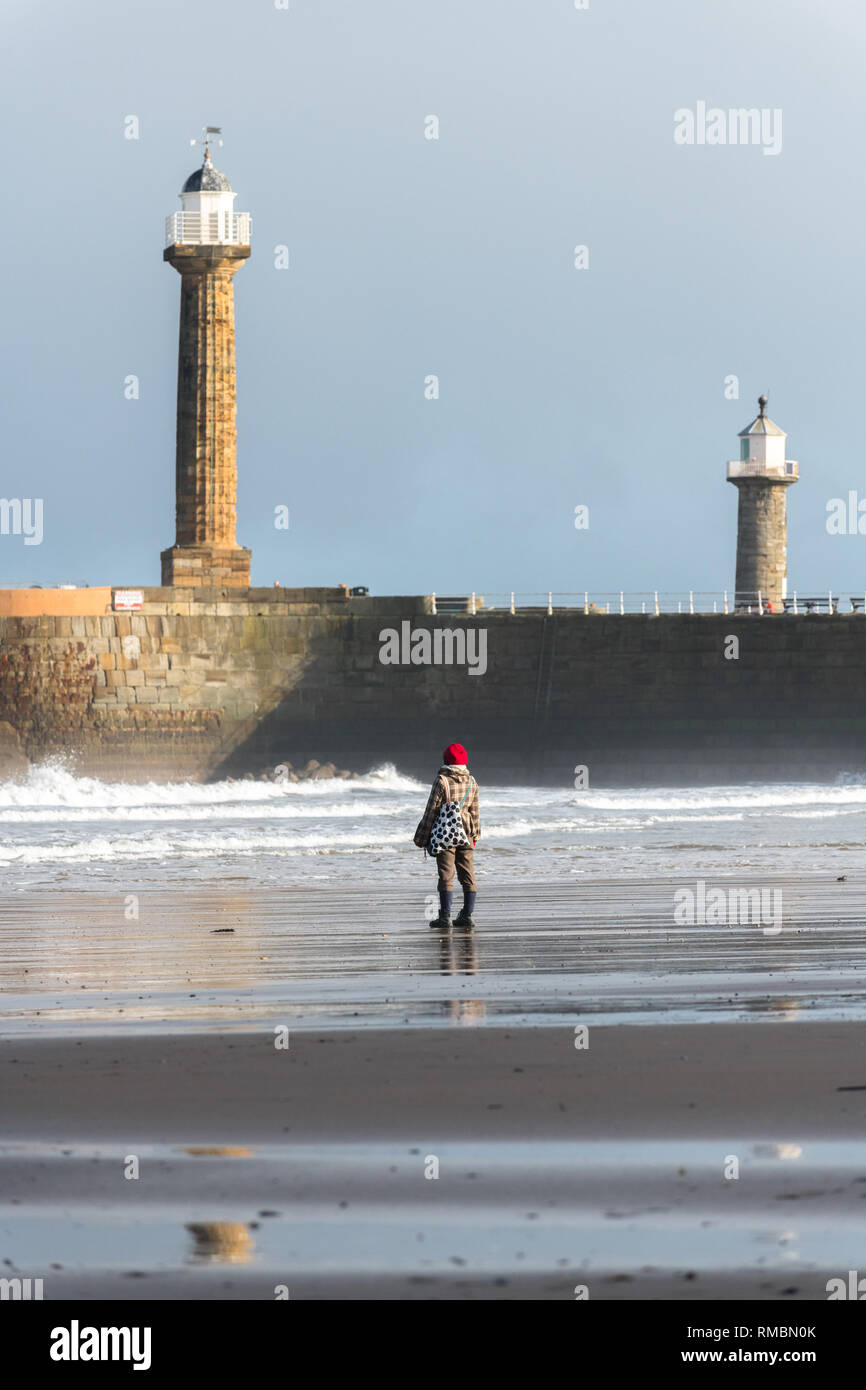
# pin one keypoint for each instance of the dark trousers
(462, 857)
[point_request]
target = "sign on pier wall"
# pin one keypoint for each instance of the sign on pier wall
(127, 600)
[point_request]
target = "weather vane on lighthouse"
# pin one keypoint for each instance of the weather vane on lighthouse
(206, 132)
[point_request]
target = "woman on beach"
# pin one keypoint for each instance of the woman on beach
(450, 828)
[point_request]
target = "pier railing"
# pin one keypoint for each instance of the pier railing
(652, 602)
(586, 602)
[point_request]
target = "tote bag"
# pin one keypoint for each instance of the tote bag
(448, 830)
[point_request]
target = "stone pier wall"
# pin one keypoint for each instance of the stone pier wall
(223, 682)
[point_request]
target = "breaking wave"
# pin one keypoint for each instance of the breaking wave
(53, 823)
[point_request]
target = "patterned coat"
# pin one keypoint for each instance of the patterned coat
(458, 781)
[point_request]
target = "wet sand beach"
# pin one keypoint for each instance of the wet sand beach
(308, 1167)
(240, 956)
(430, 1130)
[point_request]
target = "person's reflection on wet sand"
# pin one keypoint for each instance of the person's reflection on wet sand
(458, 955)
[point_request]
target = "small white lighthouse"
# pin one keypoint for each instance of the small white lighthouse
(762, 476)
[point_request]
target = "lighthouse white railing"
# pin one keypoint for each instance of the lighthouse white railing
(746, 468)
(208, 229)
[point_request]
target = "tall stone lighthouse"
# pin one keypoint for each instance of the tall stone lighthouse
(762, 476)
(206, 243)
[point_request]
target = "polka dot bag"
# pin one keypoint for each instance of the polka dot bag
(448, 830)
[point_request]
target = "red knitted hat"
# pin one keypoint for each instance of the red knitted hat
(455, 754)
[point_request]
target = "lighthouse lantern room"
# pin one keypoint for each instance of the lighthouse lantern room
(208, 217)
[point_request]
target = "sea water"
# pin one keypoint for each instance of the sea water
(57, 829)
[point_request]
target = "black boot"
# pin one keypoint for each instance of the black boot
(464, 918)
(445, 901)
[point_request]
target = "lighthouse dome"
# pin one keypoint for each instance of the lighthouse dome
(207, 179)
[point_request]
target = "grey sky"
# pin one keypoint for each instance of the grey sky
(411, 256)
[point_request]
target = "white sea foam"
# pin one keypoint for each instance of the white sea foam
(759, 797)
(54, 823)
(161, 847)
(52, 785)
(271, 812)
